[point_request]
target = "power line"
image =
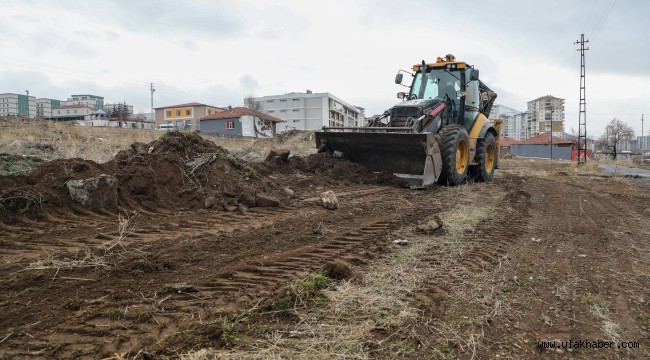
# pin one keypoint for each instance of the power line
(600, 24)
(589, 17)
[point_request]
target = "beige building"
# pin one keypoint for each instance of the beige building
(545, 114)
(184, 116)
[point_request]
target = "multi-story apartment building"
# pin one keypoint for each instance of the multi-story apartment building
(309, 111)
(184, 116)
(93, 101)
(17, 105)
(521, 126)
(506, 114)
(545, 115)
(73, 112)
(44, 107)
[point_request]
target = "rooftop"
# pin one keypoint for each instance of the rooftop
(544, 139)
(238, 112)
(76, 106)
(186, 105)
(506, 142)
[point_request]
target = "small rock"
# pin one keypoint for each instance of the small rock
(536, 240)
(246, 199)
(212, 201)
(429, 227)
(559, 351)
(288, 192)
(266, 201)
(337, 270)
(329, 200)
(277, 156)
(242, 208)
(582, 255)
(95, 193)
(400, 241)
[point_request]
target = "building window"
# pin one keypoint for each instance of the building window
(283, 100)
(271, 111)
(296, 110)
(270, 101)
(230, 124)
(188, 112)
(169, 113)
(296, 99)
(283, 110)
(178, 113)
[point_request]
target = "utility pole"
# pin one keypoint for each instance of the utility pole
(582, 116)
(153, 114)
(552, 111)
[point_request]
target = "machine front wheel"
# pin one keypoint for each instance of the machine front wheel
(454, 150)
(486, 157)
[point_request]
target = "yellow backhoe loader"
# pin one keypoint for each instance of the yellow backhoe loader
(438, 133)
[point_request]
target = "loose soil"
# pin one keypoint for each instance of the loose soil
(181, 269)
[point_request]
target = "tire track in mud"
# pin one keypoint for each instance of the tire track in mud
(268, 249)
(488, 243)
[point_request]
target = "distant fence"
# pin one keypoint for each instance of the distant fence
(541, 151)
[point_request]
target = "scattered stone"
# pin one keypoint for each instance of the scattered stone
(212, 201)
(246, 199)
(535, 240)
(288, 192)
(400, 241)
(242, 208)
(337, 270)
(582, 255)
(180, 288)
(429, 226)
(266, 201)
(96, 193)
(277, 156)
(329, 200)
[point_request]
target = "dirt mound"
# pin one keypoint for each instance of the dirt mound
(324, 164)
(179, 171)
(302, 135)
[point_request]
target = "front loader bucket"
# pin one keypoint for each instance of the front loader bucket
(414, 157)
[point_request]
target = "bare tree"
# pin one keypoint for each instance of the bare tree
(615, 132)
(256, 107)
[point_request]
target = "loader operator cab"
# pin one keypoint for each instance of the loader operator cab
(439, 84)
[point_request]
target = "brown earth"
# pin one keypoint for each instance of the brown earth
(558, 257)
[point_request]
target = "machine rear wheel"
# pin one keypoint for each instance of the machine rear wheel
(486, 157)
(454, 150)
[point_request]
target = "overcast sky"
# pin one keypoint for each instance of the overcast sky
(218, 51)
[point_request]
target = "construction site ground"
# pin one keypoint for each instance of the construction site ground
(546, 252)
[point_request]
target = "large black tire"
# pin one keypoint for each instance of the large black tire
(454, 150)
(486, 157)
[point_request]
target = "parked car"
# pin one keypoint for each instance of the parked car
(166, 127)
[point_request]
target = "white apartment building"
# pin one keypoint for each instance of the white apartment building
(44, 107)
(507, 114)
(310, 111)
(92, 101)
(545, 114)
(72, 112)
(520, 126)
(17, 105)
